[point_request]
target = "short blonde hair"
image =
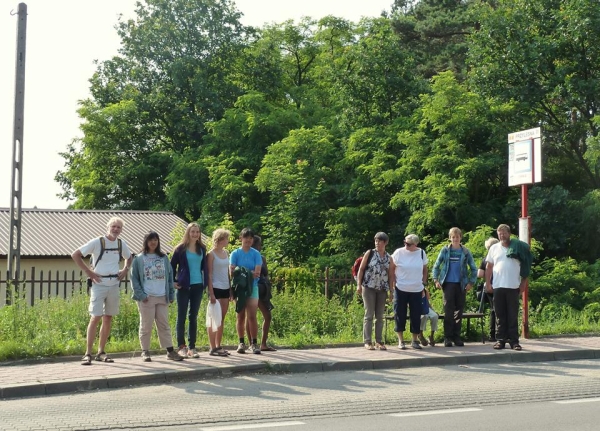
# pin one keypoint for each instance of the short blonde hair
(220, 234)
(114, 220)
(490, 242)
(454, 231)
(412, 238)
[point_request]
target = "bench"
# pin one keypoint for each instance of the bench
(467, 316)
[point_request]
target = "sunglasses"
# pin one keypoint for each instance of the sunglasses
(408, 244)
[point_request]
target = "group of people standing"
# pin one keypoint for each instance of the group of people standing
(158, 281)
(402, 277)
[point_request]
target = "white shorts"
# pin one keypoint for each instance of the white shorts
(104, 300)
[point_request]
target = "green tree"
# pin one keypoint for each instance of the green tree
(151, 103)
(544, 55)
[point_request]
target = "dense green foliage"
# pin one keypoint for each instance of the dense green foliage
(320, 133)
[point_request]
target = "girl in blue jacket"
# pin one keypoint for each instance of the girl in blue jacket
(189, 267)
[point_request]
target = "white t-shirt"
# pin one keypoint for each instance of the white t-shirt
(220, 272)
(109, 264)
(506, 271)
(155, 275)
(409, 269)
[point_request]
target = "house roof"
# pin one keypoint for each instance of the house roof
(57, 233)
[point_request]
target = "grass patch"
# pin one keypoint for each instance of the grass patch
(301, 317)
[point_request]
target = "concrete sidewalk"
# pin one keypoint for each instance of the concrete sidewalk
(64, 375)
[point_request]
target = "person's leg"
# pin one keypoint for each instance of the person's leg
(460, 299)
(501, 315)
(380, 301)
(434, 318)
(196, 292)
(147, 313)
(512, 315)
(449, 307)
(224, 308)
(369, 300)
(104, 333)
(264, 309)
(111, 308)
(415, 305)
(490, 300)
(183, 300)
(91, 333)
(161, 317)
(400, 313)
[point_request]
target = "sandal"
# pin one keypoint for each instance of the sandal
(499, 345)
(369, 346)
(217, 352)
(380, 346)
(86, 360)
(516, 347)
(222, 349)
(103, 357)
(268, 349)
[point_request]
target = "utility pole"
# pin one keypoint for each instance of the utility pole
(14, 252)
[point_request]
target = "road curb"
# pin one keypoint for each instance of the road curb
(38, 389)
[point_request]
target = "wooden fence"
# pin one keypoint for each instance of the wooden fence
(36, 286)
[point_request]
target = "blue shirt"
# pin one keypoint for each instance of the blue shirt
(454, 266)
(195, 264)
(250, 260)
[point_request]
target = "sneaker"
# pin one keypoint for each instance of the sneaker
(447, 342)
(241, 348)
(183, 351)
(402, 345)
(458, 342)
(193, 353)
(146, 356)
(423, 340)
(174, 356)
(415, 345)
(255, 349)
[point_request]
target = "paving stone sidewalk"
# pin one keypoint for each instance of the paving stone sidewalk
(64, 375)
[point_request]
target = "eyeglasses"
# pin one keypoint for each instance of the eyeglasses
(408, 244)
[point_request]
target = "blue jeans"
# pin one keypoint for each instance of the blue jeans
(188, 300)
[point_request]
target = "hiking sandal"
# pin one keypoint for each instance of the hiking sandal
(86, 360)
(103, 357)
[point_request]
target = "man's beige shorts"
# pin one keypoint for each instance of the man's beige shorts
(104, 300)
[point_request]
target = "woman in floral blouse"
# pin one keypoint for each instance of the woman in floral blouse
(372, 283)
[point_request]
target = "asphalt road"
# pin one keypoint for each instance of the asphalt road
(497, 396)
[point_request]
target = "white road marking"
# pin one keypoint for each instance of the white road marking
(435, 412)
(582, 400)
(252, 426)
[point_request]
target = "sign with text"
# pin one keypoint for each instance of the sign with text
(525, 157)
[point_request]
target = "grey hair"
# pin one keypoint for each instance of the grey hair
(412, 238)
(490, 242)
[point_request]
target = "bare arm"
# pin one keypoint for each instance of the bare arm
(78, 259)
(210, 258)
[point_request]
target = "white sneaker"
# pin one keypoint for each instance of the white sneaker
(255, 349)
(146, 356)
(183, 352)
(402, 345)
(241, 348)
(193, 353)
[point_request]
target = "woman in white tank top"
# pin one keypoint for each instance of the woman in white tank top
(219, 286)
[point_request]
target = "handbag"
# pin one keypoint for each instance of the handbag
(213, 316)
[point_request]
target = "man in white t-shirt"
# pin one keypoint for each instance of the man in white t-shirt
(106, 276)
(505, 273)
